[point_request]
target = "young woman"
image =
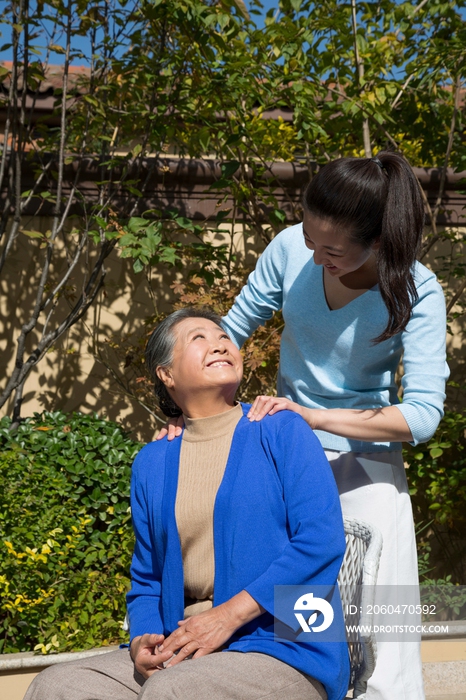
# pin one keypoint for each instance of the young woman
(355, 301)
(221, 517)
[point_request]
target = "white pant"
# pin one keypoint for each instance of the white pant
(373, 488)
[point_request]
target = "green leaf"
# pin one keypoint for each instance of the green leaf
(220, 184)
(169, 255)
(135, 224)
(233, 139)
(128, 239)
(222, 215)
(183, 222)
(229, 168)
(134, 190)
(436, 452)
(32, 234)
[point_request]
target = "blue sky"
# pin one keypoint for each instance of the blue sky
(82, 43)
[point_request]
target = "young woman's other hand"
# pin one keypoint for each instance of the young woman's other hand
(172, 428)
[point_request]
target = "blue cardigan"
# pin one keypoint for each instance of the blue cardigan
(277, 521)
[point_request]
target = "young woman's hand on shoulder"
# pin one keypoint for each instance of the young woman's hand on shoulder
(264, 405)
(172, 428)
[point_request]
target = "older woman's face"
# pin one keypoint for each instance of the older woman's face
(203, 357)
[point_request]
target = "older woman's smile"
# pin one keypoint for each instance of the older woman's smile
(205, 362)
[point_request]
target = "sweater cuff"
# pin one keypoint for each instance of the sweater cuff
(237, 334)
(422, 420)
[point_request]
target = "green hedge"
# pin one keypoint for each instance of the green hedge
(66, 537)
(437, 481)
(65, 532)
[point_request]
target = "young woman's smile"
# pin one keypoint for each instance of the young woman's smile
(334, 249)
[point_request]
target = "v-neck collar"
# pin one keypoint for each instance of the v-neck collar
(340, 308)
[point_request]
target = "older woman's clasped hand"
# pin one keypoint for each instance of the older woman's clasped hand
(202, 634)
(199, 635)
(146, 654)
(196, 636)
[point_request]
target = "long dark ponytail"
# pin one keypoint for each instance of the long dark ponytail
(376, 199)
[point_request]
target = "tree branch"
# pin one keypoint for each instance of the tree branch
(366, 137)
(457, 91)
(456, 296)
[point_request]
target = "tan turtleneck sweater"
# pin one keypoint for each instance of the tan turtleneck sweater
(204, 454)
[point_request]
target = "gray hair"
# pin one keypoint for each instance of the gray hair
(159, 352)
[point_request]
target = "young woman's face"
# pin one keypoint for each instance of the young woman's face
(204, 357)
(333, 248)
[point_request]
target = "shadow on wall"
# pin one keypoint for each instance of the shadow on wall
(71, 378)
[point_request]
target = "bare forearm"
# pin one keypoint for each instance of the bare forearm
(242, 608)
(378, 424)
(369, 425)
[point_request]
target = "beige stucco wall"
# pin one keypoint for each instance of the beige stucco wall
(71, 377)
(13, 686)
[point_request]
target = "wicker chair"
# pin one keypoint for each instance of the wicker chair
(357, 579)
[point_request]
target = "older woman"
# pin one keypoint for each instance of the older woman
(221, 517)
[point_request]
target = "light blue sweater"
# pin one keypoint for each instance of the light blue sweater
(327, 359)
(277, 522)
